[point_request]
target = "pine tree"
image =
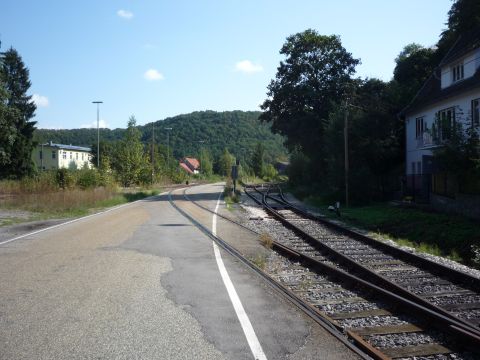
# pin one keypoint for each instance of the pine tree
(15, 81)
(8, 131)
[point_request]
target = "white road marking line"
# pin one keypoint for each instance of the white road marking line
(71, 221)
(247, 327)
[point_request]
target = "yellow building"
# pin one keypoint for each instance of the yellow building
(50, 156)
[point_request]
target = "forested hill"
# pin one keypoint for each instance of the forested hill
(238, 131)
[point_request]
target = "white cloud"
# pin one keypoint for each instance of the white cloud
(153, 75)
(101, 124)
(39, 100)
(247, 67)
(125, 14)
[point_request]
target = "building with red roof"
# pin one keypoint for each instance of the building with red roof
(190, 165)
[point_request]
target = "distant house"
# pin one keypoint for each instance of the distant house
(190, 165)
(450, 97)
(50, 156)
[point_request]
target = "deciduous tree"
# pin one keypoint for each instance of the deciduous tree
(225, 163)
(131, 159)
(206, 164)
(313, 78)
(257, 159)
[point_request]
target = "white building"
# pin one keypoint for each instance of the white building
(52, 156)
(449, 98)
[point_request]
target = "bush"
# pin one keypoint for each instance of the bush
(178, 176)
(269, 173)
(64, 178)
(87, 178)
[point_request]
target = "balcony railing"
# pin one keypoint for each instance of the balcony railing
(425, 140)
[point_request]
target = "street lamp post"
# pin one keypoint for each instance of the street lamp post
(168, 145)
(153, 150)
(98, 131)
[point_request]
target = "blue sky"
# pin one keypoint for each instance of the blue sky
(156, 59)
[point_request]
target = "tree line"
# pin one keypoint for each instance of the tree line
(239, 131)
(216, 139)
(315, 90)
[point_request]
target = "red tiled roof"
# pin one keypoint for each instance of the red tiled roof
(195, 164)
(186, 168)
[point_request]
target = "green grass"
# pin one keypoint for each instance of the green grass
(439, 234)
(11, 221)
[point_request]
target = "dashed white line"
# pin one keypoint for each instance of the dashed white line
(247, 327)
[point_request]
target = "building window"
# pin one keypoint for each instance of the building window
(446, 123)
(76, 155)
(53, 155)
(476, 112)
(457, 72)
(41, 154)
(65, 155)
(83, 156)
(70, 155)
(420, 127)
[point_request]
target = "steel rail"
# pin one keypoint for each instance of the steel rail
(404, 255)
(460, 328)
(308, 309)
(364, 271)
(438, 321)
(442, 271)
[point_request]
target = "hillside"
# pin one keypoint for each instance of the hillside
(238, 131)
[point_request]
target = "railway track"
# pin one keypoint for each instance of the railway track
(381, 322)
(370, 322)
(440, 288)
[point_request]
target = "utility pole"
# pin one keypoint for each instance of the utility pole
(345, 134)
(98, 131)
(41, 157)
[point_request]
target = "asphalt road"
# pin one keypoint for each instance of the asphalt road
(141, 282)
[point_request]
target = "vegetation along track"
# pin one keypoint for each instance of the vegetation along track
(383, 324)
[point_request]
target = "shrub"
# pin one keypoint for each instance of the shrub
(87, 178)
(64, 178)
(269, 172)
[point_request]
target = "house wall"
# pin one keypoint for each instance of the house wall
(64, 158)
(49, 162)
(72, 159)
(470, 64)
(415, 150)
